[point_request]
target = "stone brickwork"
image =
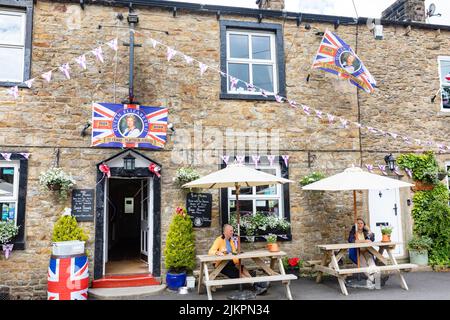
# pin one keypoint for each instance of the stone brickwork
(50, 116)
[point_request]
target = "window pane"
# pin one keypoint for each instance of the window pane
(445, 71)
(8, 211)
(263, 76)
(267, 190)
(11, 64)
(239, 46)
(243, 190)
(261, 47)
(268, 206)
(6, 181)
(245, 207)
(239, 71)
(446, 97)
(11, 28)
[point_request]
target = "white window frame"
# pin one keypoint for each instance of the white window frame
(441, 84)
(254, 197)
(250, 61)
(19, 45)
(15, 197)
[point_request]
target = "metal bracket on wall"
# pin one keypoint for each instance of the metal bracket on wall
(82, 4)
(311, 159)
(174, 12)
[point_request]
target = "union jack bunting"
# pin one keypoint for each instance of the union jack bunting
(68, 278)
(336, 56)
(128, 126)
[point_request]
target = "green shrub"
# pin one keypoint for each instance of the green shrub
(180, 243)
(313, 177)
(67, 229)
(424, 166)
(420, 244)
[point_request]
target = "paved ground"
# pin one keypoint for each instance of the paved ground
(422, 286)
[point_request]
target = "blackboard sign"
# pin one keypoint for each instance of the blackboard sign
(198, 206)
(83, 204)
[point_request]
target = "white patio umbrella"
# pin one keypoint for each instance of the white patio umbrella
(236, 176)
(355, 178)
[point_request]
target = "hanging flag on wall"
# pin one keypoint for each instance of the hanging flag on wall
(128, 126)
(335, 56)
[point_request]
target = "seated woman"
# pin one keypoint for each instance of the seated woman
(362, 234)
(224, 245)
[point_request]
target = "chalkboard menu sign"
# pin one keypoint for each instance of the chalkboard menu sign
(198, 206)
(83, 204)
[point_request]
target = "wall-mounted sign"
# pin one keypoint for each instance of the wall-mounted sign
(128, 126)
(83, 204)
(198, 206)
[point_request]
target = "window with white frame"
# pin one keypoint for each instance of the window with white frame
(12, 45)
(251, 57)
(265, 199)
(9, 190)
(444, 76)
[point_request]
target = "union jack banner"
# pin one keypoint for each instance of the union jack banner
(68, 278)
(335, 56)
(128, 126)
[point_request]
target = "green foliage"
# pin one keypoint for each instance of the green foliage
(271, 238)
(424, 166)
(56, 179)
(386, 230)
(185, 175)
(313, 177)
(420, 244)
(180, 243)
(431, 214)
(8, 230)
(259, 224)
(67, 229)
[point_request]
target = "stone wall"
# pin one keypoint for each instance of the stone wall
(50, 116)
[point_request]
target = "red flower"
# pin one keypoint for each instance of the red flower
(181, 211)
(293, 262)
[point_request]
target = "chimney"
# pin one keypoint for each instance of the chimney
(270, 4)
(406, 10)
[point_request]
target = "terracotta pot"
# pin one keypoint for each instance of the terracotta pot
(273, 247)
(420, 186)
(386, 238)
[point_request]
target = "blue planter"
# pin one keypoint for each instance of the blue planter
(175, 280)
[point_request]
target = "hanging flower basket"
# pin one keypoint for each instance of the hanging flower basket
(420, 186)
(54, 187)
(55, 179)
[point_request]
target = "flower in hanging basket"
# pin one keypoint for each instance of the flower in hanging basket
(55, 179)
(185, 175)
(8, 230)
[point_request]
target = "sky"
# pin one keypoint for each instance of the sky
(365, 8)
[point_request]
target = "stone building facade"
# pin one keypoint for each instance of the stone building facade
(47, 119)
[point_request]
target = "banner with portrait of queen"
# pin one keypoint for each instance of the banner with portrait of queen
(128, 126)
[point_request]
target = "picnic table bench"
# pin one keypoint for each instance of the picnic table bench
(333, 253)
(257, 256)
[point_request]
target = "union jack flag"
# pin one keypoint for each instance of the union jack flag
(337, 57)
(128, 126)
(68, 278)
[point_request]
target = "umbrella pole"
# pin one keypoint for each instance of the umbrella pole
(239, 230)
(356, 226)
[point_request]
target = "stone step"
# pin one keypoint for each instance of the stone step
(121, 281)
(125, 293)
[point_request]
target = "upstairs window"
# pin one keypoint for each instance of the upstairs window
(444, 76)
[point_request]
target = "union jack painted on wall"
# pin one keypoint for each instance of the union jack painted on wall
(128, 126)
(68, 278)
(336, 56)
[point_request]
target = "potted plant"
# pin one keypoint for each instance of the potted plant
(313, 177)
(418, 249)
(386, 232)
(179, 251)
(272, 244)
(292, 265)
(8, 230)
(185, 175)
(55, 179)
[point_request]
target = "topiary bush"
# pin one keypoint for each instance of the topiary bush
(67, 229)
(179, 251)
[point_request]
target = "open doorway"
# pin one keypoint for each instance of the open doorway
(127, 226)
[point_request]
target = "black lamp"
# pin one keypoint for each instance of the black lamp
(390, 161)
(129, 162)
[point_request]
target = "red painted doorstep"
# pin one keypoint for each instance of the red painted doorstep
(128, 280)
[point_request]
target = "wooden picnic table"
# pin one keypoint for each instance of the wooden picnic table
(333, 253)
(208, 278)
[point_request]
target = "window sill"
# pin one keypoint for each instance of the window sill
(12, 84)
(234, 96)
(442, 113)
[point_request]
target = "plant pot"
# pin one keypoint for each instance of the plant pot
(7, 248)
(175, 280)
(418, 257)
(441, 176)
(54, 187)
(273, 247)
(421, 186)
(386, 238)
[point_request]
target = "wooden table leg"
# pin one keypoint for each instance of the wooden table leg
(200, 278)
(260, 263)
(208, 289)
(394, 262)
(323, 263)
(286, 284)
(341, 279)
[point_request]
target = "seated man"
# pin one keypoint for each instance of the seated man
(362, 234)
